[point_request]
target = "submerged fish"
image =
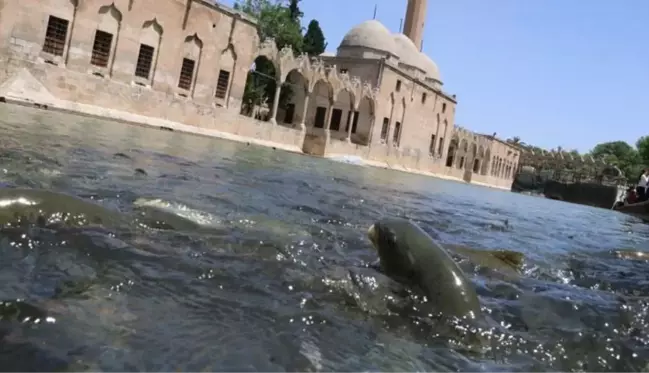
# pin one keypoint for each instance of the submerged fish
(42, 207)
(409, 255)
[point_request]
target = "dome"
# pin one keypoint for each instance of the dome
(369, 34)
(430, 67)
(408, 52)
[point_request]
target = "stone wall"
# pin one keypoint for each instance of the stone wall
(395, 158)
(56, 87)
(591, 194)
(490, 180)
(216, 37)
(425, 116)
(45, 84)
(526, 180)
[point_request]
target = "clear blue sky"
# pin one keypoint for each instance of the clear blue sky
(568, 73)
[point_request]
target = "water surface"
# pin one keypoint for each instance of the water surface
(274, 277)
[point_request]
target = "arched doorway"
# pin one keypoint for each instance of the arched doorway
(319, 105)
(452, 150)
(464, 151)
(260, 88)
(486, 162)
(342, 114)
(363, 122)
(475, 162)
(292, 107)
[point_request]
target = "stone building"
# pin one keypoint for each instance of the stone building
(184, 63)
(380, 97)
(191, 49)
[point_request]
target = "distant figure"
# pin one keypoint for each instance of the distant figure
(642, 185)
(631, 196)
(262, 111)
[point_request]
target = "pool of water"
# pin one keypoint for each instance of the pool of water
(272, 272)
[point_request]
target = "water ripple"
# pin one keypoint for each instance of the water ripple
(263, 264)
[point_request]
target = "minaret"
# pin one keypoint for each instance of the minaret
(415, 18)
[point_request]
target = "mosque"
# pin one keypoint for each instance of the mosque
(408, 118)
(183, 64)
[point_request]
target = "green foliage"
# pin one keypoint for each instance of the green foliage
(643, 148)
(282, 23)
(260, 86)
(252, 95)
(623, 156)
(294, 10)
(619, 149)
(514, 141)
(631, 161)
(274, 20)
(314, 39)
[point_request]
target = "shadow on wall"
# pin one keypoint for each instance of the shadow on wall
(528, 179)
(590, 194)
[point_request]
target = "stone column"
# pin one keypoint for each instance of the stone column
(388, 138)
(305, 110)
(437, 136)
(446, 142)
(351, 124)
(370, 136)
(278, 90)
(328, 116)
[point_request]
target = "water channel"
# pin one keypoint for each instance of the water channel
(272, 274)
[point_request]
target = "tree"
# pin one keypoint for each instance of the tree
(260, 85)
(314, 42)
(274, 20)
(619, 149)
(622, 155)
(575, 153)
(643, 149)
(514, 140)
(255, 92)
(294, 11)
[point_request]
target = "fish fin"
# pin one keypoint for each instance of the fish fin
(514, 258)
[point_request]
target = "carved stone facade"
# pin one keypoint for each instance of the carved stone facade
(567, 167)
(380, 109)
(179, 47)
(482, 155)
(308, 75)
(187, 61)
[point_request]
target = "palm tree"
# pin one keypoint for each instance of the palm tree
(514, 140)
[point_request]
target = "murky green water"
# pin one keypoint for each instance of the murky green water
(265, 266)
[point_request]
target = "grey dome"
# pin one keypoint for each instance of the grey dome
(407, 51)
(430, 67)
(369, 34)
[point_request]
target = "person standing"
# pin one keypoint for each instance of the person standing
(641, 188)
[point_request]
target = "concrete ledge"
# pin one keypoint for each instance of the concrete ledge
(140, 120)
(490, 185)
(163, 124)
(387, 165)
(48, 88)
